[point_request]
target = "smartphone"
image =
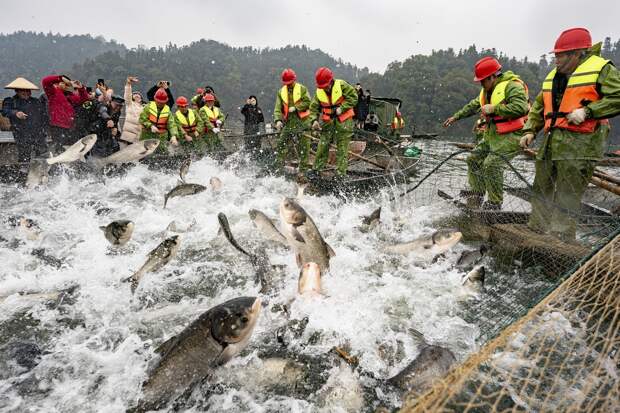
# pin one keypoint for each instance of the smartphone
(101, 81)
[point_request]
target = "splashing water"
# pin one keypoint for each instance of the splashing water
(90, 349)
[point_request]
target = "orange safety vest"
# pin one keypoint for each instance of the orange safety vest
(503, 125)
(398, 123)
(212, 115)
(188, 123)
(328, 103)
(157, 118)
(580, 91)
(296, 99)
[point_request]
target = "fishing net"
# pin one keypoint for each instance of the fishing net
(550, 330)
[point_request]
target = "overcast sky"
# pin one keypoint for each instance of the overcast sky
(363, 32)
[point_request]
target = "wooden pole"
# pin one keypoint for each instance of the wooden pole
(615, 189)
(360, 157)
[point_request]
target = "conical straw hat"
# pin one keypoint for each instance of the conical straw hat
(21, 83)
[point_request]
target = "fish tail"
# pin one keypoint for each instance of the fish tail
(165, 201)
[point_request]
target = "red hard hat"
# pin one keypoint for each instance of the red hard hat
(182, 102)
(200, 91)
(161, 96)
(573, 39)
(288, 76)
(398, 114)
(323, 77)
(208, 97)
(486, 67)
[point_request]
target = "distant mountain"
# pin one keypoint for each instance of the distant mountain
(34, 55)
(234, 73)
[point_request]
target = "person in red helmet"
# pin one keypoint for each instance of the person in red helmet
(190, 127)
(332, 113)
(291, 115)
(578, 97)
(212, 118)
(503, 102)
(398, 124)
(158, 123)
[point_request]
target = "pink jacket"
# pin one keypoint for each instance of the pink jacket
(60, 106)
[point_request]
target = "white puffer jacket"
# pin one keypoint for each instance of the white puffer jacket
(131, 127)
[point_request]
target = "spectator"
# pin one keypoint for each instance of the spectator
(85, 115)
(62, 98)
(106, 127)
(162, 84)
(130, 116)
(361, 109)
(253, 115)
(28, 119)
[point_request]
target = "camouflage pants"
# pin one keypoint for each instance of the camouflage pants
(485, 169)
(213, 142)
(340, 134)
(556, 201)
(290, 137)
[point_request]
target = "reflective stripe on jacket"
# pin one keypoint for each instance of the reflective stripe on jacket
(580, 91)
(159, 118)
(328, 104)
(503, 125)
(296, 99)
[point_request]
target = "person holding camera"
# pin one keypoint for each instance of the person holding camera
(165, 85)
(130, 123)
(253, 117)
(158, 123)
(107, 127)
(63, 95)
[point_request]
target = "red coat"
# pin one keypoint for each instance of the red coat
(60, 106)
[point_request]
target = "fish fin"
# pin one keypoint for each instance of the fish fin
(330, 250)
(297, 235)
(180, 182)
(418, 335)
(298, 259)
(165, 201)
(166, 346)
(102, 228)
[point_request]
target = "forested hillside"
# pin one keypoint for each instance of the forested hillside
(432, 87)
(34, 55)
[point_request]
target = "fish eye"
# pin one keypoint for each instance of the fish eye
(244, 319)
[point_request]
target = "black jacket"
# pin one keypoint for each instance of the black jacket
(32, 129)
(253, 115)
(151, 95)
(106, 143)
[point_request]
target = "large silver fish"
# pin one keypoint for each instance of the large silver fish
(266, 226)
(184, 168)
(428, 247)
(131, 153)
(432, 363)
(309, 282)
(118, 232)
(304, 236)
(76, 151)
(191, 356)
(157, 258)
(183, 190)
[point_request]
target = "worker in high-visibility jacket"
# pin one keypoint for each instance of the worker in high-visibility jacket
(504, 103)
(158, 123)
(212, 118)
(291, 115)
(578, 97)
(398, 124)
(190, 127)
(331, 112)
